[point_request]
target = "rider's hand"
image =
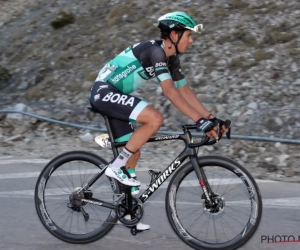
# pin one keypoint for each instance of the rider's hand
(206, 126)
(217, 122)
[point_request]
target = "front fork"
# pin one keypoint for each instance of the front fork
(202, 180)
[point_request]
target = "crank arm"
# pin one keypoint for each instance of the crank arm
(100, 203)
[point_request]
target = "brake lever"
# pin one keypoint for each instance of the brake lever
(227, 124)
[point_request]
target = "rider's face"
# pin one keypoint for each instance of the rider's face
(185, 41)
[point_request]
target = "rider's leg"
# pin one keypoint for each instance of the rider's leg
(130, 166)
(152, 121)
(132, 162)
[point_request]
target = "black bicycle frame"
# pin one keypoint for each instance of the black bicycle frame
(188, 151)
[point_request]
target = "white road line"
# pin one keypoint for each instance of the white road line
(24, 161)
(291, 203)
(5, 157)
(57, 173)
(216, 181)
(281, 203)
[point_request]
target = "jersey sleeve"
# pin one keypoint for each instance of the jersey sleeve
(175, 71)
(159, 63)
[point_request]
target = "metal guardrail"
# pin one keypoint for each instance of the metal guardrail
(240, 137)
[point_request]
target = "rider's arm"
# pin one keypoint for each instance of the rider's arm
(178, 100)
(184, 89)
(163, 76)
(193, 100)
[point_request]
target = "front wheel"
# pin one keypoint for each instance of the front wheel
(59, 204)
(237, 209)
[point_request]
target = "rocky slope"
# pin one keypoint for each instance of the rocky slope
(245, 67)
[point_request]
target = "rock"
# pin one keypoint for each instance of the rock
(294, 67)
(87, 137)
(296, 83)
(278, 121)
(252, 105)
(20, 107)
(289, 172)
(281, 147)
(282, 158)
(269, 159)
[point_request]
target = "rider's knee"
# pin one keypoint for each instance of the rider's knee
(157, 120)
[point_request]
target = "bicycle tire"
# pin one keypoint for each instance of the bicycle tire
(41, 205)
(237, 170)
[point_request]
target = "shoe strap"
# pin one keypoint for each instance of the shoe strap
(125, 171)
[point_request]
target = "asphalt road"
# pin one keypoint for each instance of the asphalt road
(21, 229)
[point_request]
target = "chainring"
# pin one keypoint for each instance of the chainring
(130, 218)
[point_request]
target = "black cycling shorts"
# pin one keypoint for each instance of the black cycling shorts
(121, 109)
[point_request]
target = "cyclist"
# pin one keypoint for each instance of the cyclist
(130, 69)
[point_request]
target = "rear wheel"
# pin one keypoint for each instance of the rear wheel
(59, 204)
(234, 217)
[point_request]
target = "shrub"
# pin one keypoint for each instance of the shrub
(4, 76)
(64, 18)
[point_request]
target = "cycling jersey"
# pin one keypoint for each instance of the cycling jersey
(139, 63)
(125, 73)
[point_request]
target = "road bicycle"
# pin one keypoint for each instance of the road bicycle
(211, 201)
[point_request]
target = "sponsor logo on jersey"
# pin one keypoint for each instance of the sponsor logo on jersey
(143, 74)
(127, 71)
(119, 99)
(160, 64)
(97, 96)
(150, 71)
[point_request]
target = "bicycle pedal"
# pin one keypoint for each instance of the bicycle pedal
(134, 230)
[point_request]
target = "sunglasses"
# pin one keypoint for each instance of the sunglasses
(198, 28)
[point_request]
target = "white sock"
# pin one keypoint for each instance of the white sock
(122, 159)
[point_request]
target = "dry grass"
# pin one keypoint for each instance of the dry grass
(279, 37)
(223, 39)
(212, 60)
(238, 62)
(293, 45)
(238, 4)
(90, 76)
(263, 8)
(242, 62)
(34, 93)
(244, 36)
(282, 27)
(220, 12)
(294, 52)
(115, 16)
(262, 55)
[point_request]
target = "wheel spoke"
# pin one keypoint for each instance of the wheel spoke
(75, 221)
(227, 217)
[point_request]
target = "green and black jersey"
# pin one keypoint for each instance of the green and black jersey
(140, 62)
